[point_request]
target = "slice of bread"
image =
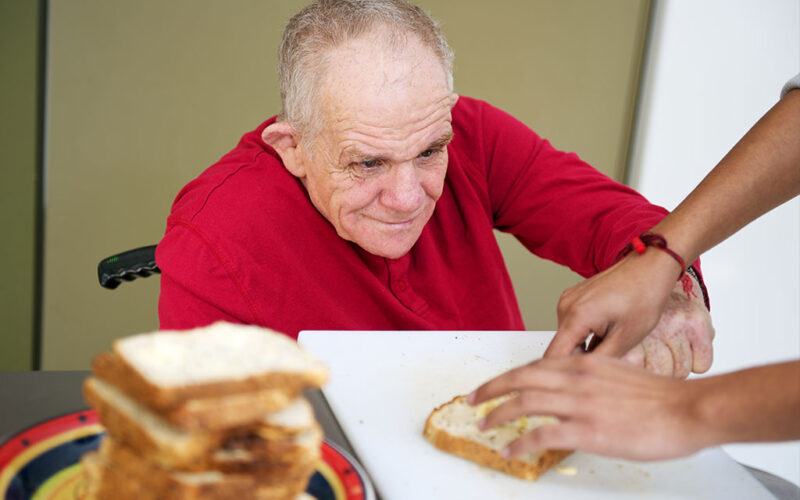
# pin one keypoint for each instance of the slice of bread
(287, 412)
(234, 410)
(296, 418)
(453, 427)
(115, 473)
(166, 369)
(145, 431)
(289, 435)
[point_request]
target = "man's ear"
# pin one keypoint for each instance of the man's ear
(284, 140)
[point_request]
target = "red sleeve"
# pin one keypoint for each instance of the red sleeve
(557, 205)
(196, 286)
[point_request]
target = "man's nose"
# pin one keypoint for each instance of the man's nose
(403, 191)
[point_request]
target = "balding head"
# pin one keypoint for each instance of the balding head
(313, 33)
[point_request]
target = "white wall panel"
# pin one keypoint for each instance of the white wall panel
(713, 69)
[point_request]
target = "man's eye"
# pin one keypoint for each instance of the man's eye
(427, 153)
(370, 163)
(430, 152)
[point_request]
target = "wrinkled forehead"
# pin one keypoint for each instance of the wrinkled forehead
(393, 86)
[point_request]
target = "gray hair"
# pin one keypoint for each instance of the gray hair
(327, 24)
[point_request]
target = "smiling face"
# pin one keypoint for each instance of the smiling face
(377, 168)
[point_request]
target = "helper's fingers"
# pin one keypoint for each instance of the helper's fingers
(538, 375)
(623, 336)
(533, 402)
(615, 344)
(573, 327)
(564, 435)
(566, 341)
(636, 356)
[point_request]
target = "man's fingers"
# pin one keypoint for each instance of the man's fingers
(678, 343)
(702, 357)
(658, 357)
(701, 341)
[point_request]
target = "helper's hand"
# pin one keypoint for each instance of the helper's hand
(605, 406)
(628, 301)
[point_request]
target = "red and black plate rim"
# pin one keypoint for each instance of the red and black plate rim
(41, 467)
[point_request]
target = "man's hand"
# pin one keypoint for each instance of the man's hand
(681, 342)
(605, 406)
(636, 297)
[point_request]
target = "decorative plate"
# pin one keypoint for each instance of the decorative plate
(43, 463)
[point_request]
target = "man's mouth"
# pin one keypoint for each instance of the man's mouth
(399, 223)
(396, 226)
(396, 222)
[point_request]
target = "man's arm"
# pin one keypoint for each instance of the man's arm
(564, 210)
(608, 407)
(196, 288)
(623, 303)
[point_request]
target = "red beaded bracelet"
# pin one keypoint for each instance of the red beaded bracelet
(647, 239)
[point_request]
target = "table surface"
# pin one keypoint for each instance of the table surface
(30, 397)
(27, 398)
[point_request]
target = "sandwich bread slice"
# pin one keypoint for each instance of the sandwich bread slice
(182, 373)
(453, 427)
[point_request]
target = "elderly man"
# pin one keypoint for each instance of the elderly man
(370, 201)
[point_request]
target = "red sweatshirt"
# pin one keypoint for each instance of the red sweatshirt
(244, 243)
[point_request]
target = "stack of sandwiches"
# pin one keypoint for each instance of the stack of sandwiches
(211, 413)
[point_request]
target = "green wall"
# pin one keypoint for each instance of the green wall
(19, 126)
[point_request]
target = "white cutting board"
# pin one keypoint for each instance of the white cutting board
(384, 384)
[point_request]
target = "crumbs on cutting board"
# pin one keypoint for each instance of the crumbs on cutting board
(632, 467)
(566, 470)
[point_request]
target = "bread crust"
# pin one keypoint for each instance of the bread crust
(177, 402)
(483, 455)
